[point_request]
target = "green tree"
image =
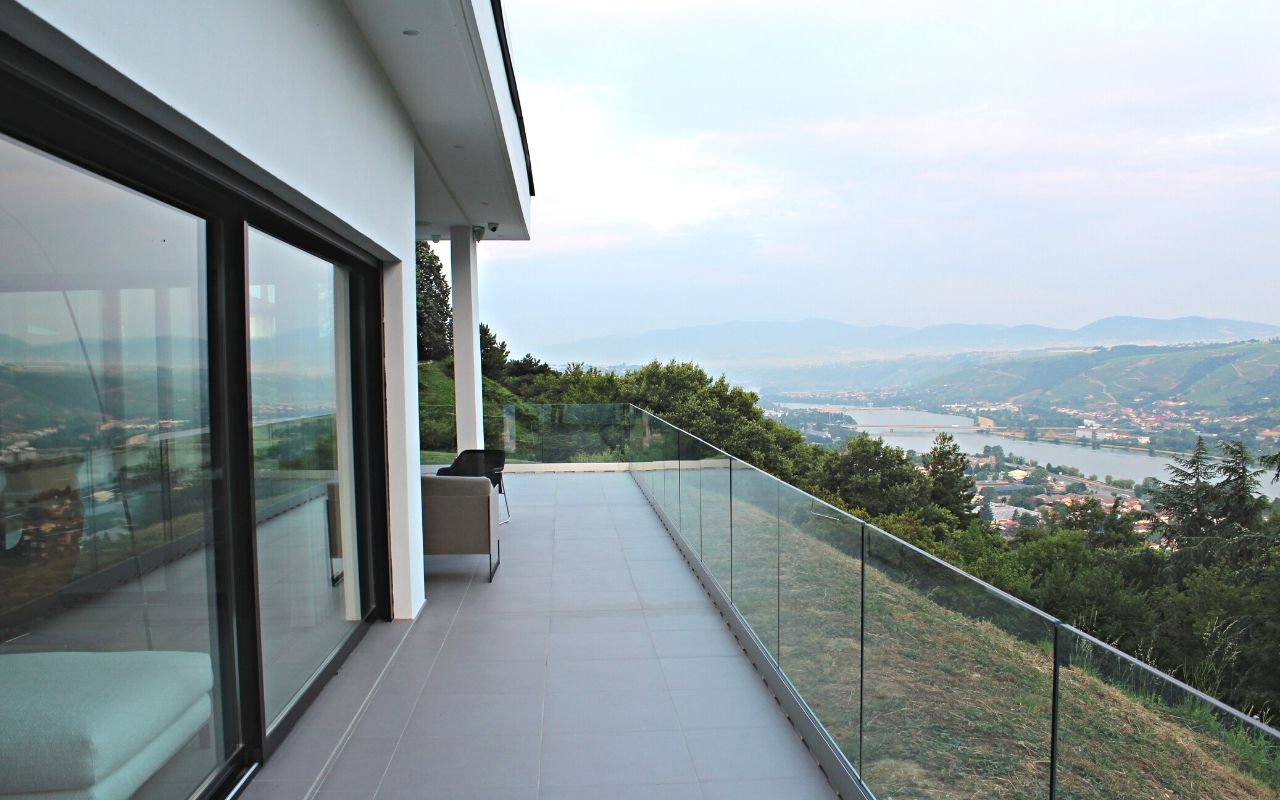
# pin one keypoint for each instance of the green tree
(1272, 462)
(1239, 502)
(522, 374)
(1241, 536)
(985, 514)
(1188, 502)
(950, 488)
(717, 411)
(1085, 516)
(435, 312)
(875, 477)
(493, 353)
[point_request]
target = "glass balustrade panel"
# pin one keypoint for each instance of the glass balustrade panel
(1126, 730)
(755, 551)
(820, 613)
(957, 682)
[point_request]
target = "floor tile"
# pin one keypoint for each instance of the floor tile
(578, 645)
(749, 753)
(604, 621)
(625, 757)
(584, 712)
(727, 708)
(652, 791)
(487, 677)
(266, 789)
(709, 673)
(451, 763)
(459, 793)
(682, 619)
(812, 788)
(574, 600)
(470, 714)
(360, 766)
(491, 647)
(605, 675)
(689, 644)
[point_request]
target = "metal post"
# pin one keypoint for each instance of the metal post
(1053, 730)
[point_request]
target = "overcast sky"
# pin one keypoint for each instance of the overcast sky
(901, 162)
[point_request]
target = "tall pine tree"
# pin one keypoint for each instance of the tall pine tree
(1187, 503)
(950, 487)
(435, 312)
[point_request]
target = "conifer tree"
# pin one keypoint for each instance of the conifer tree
(435, 311)
(950, 487)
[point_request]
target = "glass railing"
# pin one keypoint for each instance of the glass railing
(929, 682)
(532, 433)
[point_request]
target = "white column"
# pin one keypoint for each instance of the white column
(468, 401)
(404, 468)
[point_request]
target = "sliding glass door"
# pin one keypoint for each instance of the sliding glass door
(303, 464)
(187, 407)
(112, 675)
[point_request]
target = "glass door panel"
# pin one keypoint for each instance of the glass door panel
(299, 355)
(111, 669)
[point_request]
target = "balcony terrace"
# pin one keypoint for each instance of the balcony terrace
(595, 665)
(694, 627)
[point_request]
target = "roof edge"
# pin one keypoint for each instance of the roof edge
(512, 89)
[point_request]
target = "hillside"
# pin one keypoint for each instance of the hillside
(738, 345)
(956, 695)
(436, 415)
(1227, 376)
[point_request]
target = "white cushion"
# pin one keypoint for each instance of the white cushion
(69, 720)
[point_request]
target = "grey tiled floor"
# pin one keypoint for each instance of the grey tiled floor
(594, 666)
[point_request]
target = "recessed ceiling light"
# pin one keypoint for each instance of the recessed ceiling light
(410, 32)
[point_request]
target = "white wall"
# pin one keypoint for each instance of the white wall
(290, 84)
(292, 87)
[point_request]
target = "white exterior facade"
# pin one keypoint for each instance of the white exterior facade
(326, 105)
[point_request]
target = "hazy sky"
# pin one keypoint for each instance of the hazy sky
(906, 162)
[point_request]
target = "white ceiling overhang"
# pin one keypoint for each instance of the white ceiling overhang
(448, 61)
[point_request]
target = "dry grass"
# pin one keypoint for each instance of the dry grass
(952, 704)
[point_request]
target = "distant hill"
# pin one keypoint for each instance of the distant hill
(1216, 376)
(729, 345)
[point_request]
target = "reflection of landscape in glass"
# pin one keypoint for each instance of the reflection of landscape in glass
(105, 523)
(946, 688)
(308, 583)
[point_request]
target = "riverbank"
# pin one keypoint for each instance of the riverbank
(1013, 433)
(917, 430)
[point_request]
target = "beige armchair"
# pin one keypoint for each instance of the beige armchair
(460, 517)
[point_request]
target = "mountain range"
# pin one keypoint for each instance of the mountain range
(738, 344)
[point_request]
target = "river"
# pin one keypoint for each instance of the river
(1117, 463)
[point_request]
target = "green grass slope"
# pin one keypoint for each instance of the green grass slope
(436, 410)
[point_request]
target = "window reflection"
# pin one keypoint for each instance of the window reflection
(308, 582)
(108, 652)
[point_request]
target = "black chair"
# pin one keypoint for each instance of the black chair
(482, 464)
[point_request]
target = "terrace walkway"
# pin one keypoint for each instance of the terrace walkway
(594, 666)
